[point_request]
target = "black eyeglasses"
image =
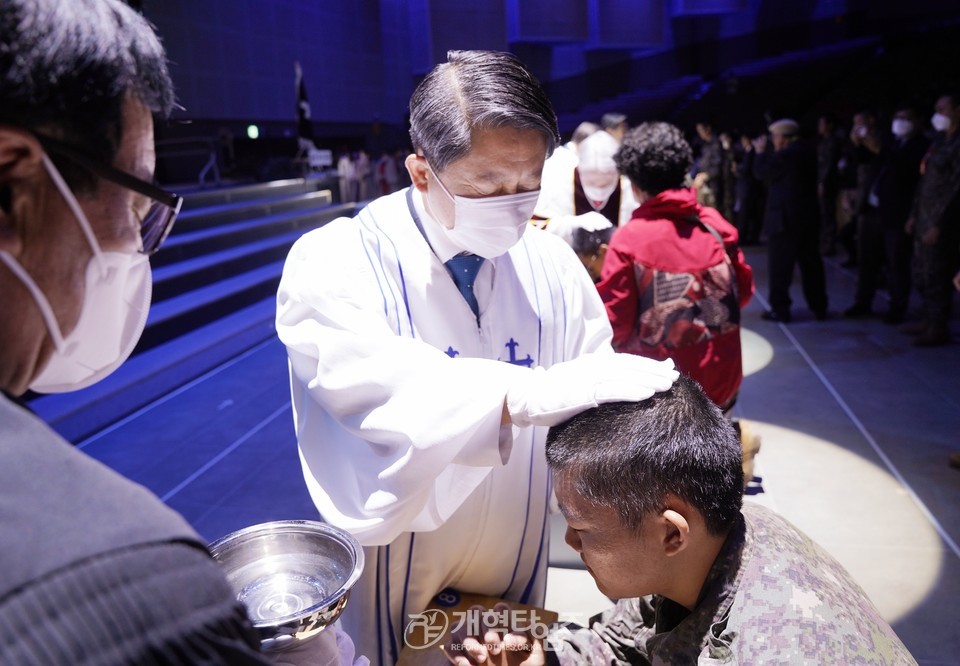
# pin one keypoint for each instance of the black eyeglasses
(156, 225)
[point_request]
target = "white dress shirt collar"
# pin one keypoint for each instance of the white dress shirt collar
(442, 246)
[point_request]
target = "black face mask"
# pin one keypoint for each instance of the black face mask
(5, 200)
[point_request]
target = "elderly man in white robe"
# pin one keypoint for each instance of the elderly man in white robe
(432, 340)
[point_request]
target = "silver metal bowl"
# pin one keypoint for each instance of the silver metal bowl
(293, 576)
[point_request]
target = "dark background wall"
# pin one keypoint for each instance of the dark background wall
(233, 60)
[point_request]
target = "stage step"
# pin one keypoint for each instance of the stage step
(193, 244)
(276, 188)
(153, 374)
(212, 216)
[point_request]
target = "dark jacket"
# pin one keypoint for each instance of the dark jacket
(893, 189)
(129, 580)
(828, 157)
(790, 175)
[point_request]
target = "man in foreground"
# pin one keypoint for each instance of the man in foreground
(94, 569)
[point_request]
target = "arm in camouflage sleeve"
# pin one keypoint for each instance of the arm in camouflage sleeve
(616, 637)
(944, 206)
(951, 210)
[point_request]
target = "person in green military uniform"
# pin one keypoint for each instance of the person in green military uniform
(652, 494)
(935, 225)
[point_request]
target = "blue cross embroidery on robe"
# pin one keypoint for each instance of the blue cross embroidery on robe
(512, 346)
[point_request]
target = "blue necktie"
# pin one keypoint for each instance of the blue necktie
(463, 269)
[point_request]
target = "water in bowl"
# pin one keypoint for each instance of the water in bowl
(286, 585)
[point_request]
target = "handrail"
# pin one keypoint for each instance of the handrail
(191, 147)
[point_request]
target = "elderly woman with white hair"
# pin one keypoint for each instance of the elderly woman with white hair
(592, 185)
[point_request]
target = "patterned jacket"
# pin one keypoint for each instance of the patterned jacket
(673, 290)
(773, 596)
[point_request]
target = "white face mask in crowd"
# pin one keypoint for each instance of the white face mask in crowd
(598, 188)
(489, 226)
(940, 122)
(116, 299)
(901, 127)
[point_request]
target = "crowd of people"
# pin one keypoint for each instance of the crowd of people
(361, 179)
(453, 370)
(887, 194)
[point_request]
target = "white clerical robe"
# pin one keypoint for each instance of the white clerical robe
(398, 391)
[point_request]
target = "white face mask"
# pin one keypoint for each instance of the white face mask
(940, 122)
(117, 290)
(598, 188)
(901, 127)
(490, 226)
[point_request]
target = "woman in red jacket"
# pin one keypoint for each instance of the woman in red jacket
(674, 279)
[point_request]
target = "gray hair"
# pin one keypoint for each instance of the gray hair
(476, 89)
(71, 65)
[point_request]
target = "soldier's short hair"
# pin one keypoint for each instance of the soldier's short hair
(630, 455)
(588, 241)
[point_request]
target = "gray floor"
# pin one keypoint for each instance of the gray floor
(856, 423)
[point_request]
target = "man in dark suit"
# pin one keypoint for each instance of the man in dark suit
(886, 208)
(748, 204)
(791, 219)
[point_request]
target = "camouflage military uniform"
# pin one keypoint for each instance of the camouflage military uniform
(773, 596)
(938, 205)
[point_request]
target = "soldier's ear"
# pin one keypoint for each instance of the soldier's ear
(675, 533)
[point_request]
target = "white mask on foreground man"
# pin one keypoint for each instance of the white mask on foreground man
(116, 298)
(78, 220)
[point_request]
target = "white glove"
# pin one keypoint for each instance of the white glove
(331, 647)
(565, 225)
(592, 221)
(546, 397)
